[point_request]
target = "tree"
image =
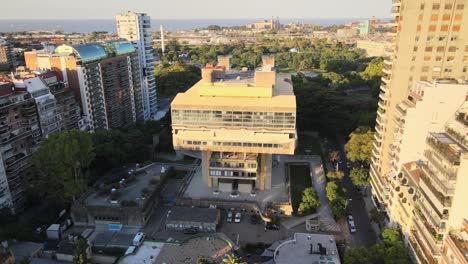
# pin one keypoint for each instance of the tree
(357, 256)
(25, 260)
(61, 165)
(391, 250)
(359, 176)
(336, 197)
(233, 259)
(334, 156)
(310, 202)
(204, 261)
(335, 175)
(81, 255)
(377, 216)
(360, 144)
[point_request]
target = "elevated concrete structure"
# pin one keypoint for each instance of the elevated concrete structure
(238, 120)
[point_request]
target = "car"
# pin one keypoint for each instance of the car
(190, 231)
(350, 218)
(270, 226)
(254, 219)
(238, 218)
(352, 227)
(229, 217)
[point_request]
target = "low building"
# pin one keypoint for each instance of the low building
(306, 249)
(131, 204)
(373, 48)
(203, 219)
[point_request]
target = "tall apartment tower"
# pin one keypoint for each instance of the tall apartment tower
(20, 135)
(430, 43)
(7, 57)
(106, 78)
(237, 120)
(134, 27)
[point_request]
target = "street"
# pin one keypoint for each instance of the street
(364, 236)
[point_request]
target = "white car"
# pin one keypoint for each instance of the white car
(229, 217)
(352, 226)
(238, 218)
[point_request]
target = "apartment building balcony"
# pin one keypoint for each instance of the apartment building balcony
(381, 112)
(383, 96)
(422, 251)
(396, 2)
(384, 88)
(455, 241)
(448, 173)
(444, 146)
(434, 220)
(379, 129)
(395, 12)
(382, 104)
(431, 243)
(386, 79)
(387, 69)
(437, 200)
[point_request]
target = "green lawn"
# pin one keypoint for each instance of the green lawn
(300, 179)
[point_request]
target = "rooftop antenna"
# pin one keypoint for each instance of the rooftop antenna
(163, 45)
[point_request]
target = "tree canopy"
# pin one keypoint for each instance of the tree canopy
(310, 202)
(61, 164)
(360, 144)
(335, 175)
(336, 197)
(359, 176)
(391, 250)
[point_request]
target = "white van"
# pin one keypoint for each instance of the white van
(138, 239)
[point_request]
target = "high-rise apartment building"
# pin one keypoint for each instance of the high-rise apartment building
(20, 135)
(7, 56)
(135, 27)
(237, 120)
(420, 151)
(430, 44)
(430, 193)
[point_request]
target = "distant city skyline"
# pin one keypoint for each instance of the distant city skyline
(203, 9)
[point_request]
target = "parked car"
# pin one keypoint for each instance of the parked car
(190, 231)
(270, 226)
(229, 217)
(238, 218)
(352, 226)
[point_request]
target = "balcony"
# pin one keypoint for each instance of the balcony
(396, 2)
(383, 96)
(382, 104)
(427, 239)
(423, 254)
(436, 237)
(387, 69)
(384, 88)
(462, 118)
(459, 243)
(444, 200)
(395, 12)
(386, 79)
(379, 129)
(449, 173)
(445, 147)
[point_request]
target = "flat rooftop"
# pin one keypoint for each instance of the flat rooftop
(188, 214)
(282, 98)
(130, 192)
(298, 250)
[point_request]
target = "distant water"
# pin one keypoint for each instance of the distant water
(86, 26)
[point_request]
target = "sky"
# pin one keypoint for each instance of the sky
(195, 9)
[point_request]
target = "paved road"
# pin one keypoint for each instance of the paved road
(365, 236)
